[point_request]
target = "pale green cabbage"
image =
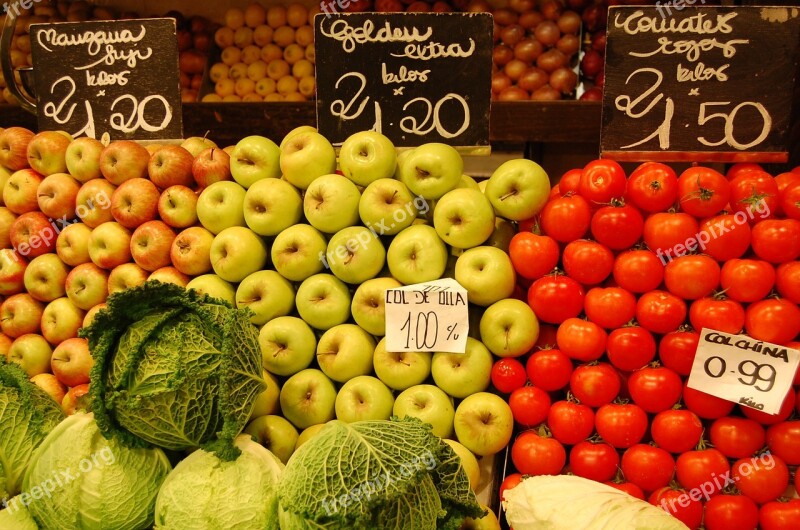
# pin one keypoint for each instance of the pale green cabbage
(27, 414)
(205, 493)
(79, 480)
(174, 369)
(17, 517)
(391, 475)
(568, 502)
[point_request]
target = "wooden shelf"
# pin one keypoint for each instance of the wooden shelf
(511, 121)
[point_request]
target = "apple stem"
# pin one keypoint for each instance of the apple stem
(507, 195)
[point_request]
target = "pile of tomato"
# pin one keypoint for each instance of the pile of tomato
(623, 271)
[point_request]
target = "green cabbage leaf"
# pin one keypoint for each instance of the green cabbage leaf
(17, 517)
(174, 369)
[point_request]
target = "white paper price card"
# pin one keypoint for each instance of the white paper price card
(431, 316)
(744, 370)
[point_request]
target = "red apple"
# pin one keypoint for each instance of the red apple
(134, 202)
(12, 272)
(123, 160)
(89, 318)
(125, 276)
(51, 385)
(150, 245)
(61, 320)
(57, 195)
(33, 234)
(20, 314)
(47, 152)
(210, 166)
(87, 286)
(171, 166)
(83, 158)
(191, 251)
(177, 206)
(76, 399)
(93, 203)
(14, 147)
(5, 345)
(19, 193)
(109, 245)
(7, 218)
(169, 275)
(72, 244)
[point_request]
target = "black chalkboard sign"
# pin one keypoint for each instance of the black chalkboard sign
(415, 77)
(700, 84)
(109, 77)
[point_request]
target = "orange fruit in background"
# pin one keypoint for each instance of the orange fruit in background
(252, 98)
(277, 69)
(266, 86)
(296, 15)
(257, 70)
(294, 96)
(304, 35)
(294, 53)
(244, 86)
(251, 54)
(231, 55)
(212, 98)
(276, 16)
(225, 87)
(254, 15)
(307, 86)
(232, 98)
(262, 35)
(243, 37)
(312, 12)
(283, 36)
(287, 85)
(238, 71)
(218, 71)
(224, 37)
(234, 18)
(273, 97)
(271, 52)
(302, 68)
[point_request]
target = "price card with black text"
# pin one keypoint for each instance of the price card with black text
(431, 316)
(116, 78)
(744, 370)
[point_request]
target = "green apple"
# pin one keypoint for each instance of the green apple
(87, 285)
(509, 328)
(308, 398)
(367, 156)
(213, 286)
(255, 158)
(364, 398)
(469, 183)
(487, 274)
(431, 170)
(306, 156)
(298, 252)
(272, 205)
(402, 155)
(468, 462)
(221, 206)
(45, 276)
(368, 304)
(307, 434)
(504, 230)
(296, 130)
(288, 345)
(323, 301)
(32, 353)
(331, 203)
(487, 522)
(464, 218)
(483, 423)
(267, 294)
(400, 370)
(417, 255)
(387, 206)
(267, 401)
(463, 374)
(237, 252)
(83, 158)
(345, 351)
(275, 433)
(355, 254)
(429, 404)
(72, 244)
(20, 314)
(518, 189)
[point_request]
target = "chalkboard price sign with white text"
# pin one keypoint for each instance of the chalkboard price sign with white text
(415, 77)
(700, 84)
(118, 78)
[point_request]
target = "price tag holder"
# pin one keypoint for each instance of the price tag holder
(741, 369)
(414, 77)
(431, 316)
(114, 78)
(705, 84)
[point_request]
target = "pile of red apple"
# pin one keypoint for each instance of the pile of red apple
(195, 35)
(625, 270)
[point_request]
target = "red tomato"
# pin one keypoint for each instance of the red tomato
(730, 512)
(618, 227)
(638, 271)
(676, 430)
(510, 482)
(779, 515)
(595, 461)
(770, 419)
(566, 218)
(667, 233)
(547, 337)
(772, 320)
(692, 277)
(747, 280)
(783, 439)
(755, 194)
(609, 307)
(790, 201)
(555, 298)
(549, 370)
(533, 255)
(536, 455)
(587, 262)
(719, 314)
(630, 348)
(555, 193)
(628, 487)
(595, 384)
(737, 437)
(653, 187)
(702, 191)
(601, 181)
(763, 479)
(705, 405)
(655, 389)
(704, 469)
(581, 340)
(648, 467)
(660, 311)
(676, 350)
(508, 375)
(621, 425)
(723, 238)
(529, 405)
(569, 181)
(787, 281)
(570, 422)
(777, 240)
(680, 504)
(742, 167)
(784, 180)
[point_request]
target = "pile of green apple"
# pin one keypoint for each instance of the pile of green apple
(307, 240)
